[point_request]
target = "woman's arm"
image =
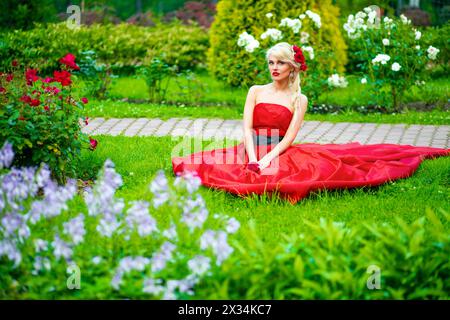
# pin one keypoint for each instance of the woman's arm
(248, 124)
(291, 133)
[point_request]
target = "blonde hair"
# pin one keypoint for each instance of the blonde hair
(283, 51)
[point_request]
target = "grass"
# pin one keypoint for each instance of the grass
(356, 94)
(114, 109)
(138, 159)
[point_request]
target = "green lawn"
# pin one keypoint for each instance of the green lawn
(114, 109)
(138, 159)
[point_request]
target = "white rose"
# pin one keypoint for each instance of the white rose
(395, 66)
(418, 34)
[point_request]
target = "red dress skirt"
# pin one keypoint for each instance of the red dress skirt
(303, 167)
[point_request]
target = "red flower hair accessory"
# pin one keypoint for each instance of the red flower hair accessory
(299, 57)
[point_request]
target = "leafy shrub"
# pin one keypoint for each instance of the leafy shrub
(437, 36)
(330, 260)
(121, 45)
(97, 77)
(236, 66)
(40, 118)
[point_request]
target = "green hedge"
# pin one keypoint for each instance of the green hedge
(121, 45)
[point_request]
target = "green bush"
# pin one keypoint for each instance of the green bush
(330, 260)
(438, 37)
(40, 118)
(120, 45)
(236, 66)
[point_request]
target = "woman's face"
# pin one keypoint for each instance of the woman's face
(279, 69)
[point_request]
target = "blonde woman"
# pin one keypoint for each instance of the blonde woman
(267, 161)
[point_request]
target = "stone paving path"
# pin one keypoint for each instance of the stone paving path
(311, 131)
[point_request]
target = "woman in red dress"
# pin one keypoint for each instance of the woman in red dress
(267, 160)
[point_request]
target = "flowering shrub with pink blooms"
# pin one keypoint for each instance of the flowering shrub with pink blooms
(118, 247)
(40, 117)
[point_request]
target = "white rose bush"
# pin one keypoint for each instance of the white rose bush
(392, 55)
(119, 247)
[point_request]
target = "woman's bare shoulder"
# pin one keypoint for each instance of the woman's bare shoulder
(303, 102)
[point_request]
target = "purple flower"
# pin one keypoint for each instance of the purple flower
(138, 216)
(171, 232)
(188, 179)
(161, 257)
(75, 229)
(40, 245)
(233, 225)
(6, 155)
(152, 286)
(217, 241)
(8, 248)
(61, 249)
(40, 264)
(199, 264)
(194, 213)
(160, 189)
(128, 264)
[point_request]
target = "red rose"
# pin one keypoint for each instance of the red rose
(69, 60)
(31, 76)
(46, 108)
(93, 143)
(84, 100)
(47, 80)
(21, 118)
(299, 57)
(62, 77)
(35, 102)
(9, 77)
(26, 99)
(14, 63)
(2, 90)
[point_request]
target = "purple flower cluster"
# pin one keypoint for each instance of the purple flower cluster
(195, 212)
(16, 187)
(160, 189)
(126, 265)
(217, 241)
(101, 200)
(139, 217)
(19, 216)
(6, 155)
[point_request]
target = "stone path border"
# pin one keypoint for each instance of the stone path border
(311, 131)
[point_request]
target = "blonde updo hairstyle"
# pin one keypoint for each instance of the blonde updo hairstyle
(283, 51)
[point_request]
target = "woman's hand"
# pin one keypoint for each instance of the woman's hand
(263, 163)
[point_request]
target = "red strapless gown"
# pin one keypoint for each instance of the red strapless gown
(303, 167)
